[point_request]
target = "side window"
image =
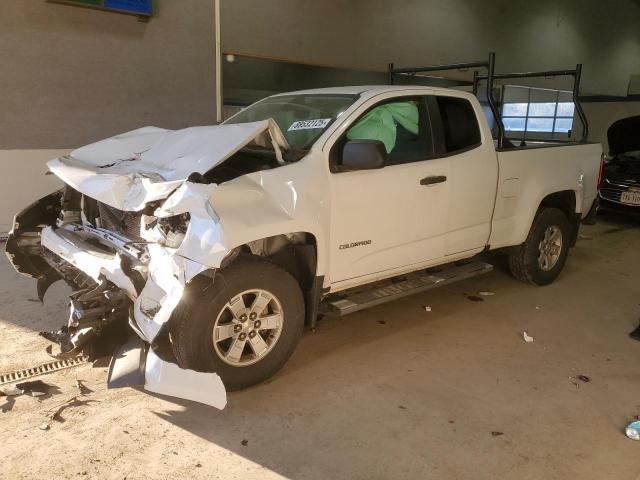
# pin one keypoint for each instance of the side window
(402, 126)
(459, 125)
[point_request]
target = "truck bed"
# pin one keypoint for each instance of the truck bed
(528, 174)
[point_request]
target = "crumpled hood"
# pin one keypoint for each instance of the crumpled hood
(128, 170)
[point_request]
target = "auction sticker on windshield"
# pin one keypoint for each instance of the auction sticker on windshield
(309, 124)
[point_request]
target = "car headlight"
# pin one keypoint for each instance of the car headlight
(173, 229)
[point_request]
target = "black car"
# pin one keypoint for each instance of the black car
(620, 185)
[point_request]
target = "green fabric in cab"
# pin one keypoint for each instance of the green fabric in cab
(380, 123)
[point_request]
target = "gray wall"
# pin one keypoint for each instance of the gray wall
(70, 75)
(527, 35)
(247, 80)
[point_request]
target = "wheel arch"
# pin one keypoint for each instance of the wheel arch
(564, 200)
(295, 252)
(567, 202)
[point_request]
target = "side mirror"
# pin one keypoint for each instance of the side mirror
(363, 155)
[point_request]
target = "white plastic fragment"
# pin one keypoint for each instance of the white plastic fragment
(527, 338)
(427, 308)
(486, 293)
(169, 379)
(11, 392)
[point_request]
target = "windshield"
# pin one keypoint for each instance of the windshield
(302, 118)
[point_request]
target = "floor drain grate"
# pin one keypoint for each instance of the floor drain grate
(43, 369)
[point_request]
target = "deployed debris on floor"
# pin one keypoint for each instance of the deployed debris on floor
(36, 388)
(11, 391)
(41, 390)
(579, 378)
(527, 338)
(633, 430)
(486, 293)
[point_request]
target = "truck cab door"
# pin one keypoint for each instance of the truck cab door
(473, 171)
(393, 218)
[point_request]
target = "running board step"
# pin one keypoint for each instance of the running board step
(411, 284)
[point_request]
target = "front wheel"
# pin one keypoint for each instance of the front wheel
(244, 326)
(540, 259)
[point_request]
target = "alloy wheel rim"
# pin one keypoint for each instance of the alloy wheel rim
(248, 327)
(550, 248)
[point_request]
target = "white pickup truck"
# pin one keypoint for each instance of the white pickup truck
(215, 245)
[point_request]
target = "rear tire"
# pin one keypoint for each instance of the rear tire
(540, 259)
(243, 302)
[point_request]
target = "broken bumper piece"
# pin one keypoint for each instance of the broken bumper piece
(136, 365)
(93, 312)
(161, 293)
(115, 300)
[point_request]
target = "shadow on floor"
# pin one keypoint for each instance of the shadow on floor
(619, 221)
(373, 362)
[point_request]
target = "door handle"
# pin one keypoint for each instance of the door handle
(432, 180)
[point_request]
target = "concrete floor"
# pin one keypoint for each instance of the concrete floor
(392, 392)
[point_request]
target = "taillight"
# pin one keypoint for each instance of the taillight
(601, 171)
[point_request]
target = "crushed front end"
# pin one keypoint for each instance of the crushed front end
(127, 274)
(131, 229)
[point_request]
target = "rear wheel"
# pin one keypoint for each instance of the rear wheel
(540, 259)
(244, 326)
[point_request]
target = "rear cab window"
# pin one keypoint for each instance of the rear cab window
(455, 125)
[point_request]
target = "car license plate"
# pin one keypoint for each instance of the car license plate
(630, 198)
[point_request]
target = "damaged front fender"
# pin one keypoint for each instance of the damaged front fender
(171, 269)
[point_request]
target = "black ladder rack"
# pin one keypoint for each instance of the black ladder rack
(575, 73)
(491, 76)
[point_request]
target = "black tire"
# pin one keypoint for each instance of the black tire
(523, 261)
(191, 330)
